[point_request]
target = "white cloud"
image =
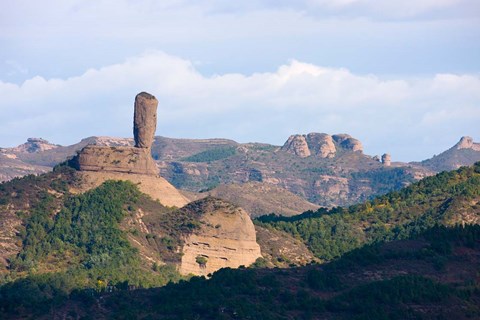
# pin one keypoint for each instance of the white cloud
(386, 115)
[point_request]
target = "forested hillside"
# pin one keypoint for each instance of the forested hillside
(448, 198)
(432, 276)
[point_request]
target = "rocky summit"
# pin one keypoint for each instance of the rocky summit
(135, 160)
(320, 144)
(144, 120)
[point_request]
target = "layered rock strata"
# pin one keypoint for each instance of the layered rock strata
(226, 238)
(134, 160)
(115, 159)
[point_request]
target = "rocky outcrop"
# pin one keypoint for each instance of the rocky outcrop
(115, 159)
(136, 160)
(144, 120)
(225, 238)
(34, 145)
(297, 145)
(467, 143)
(321, 144)
(347, 142)
(386, 160)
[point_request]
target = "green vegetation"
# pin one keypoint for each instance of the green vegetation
(212, 155)
(81, 247)
(385, 179)
(396, 215)
(405, 284)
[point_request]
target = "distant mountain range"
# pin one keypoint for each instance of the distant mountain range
(322, 170)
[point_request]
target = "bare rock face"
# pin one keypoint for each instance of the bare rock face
(144, 120)
(297, 145)
(321, 144)
(115, 159)
(467, 143)
(34, 145)
(347, 142)
(120, 159)
(386, 160)
(225, 238)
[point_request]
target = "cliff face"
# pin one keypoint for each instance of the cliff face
(320, 144)
(225, 238)
(115, 159)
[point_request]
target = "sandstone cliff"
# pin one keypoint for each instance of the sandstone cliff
(320, 144)
(297, 145)
(115, 159)
(225, 238)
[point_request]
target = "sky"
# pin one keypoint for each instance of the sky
(402, 76)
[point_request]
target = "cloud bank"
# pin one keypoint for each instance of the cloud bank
(411, 118)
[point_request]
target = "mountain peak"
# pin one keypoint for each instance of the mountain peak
(35, 145)
(466, 142)
(320, 144)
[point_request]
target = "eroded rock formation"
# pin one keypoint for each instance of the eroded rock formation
(34, 145)
(467, 143)
(386, 160)
(297, 145)
(115, 159)
(320, 144)
(347, 142)
(144, 120)
(134, 160)
(225, 238)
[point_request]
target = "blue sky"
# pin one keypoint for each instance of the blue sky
(401, 76)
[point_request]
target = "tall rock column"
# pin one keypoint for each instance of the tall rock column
(386, 160)
(144, 120)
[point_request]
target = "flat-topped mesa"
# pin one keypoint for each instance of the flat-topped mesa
(124, 159)
(144, 120)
